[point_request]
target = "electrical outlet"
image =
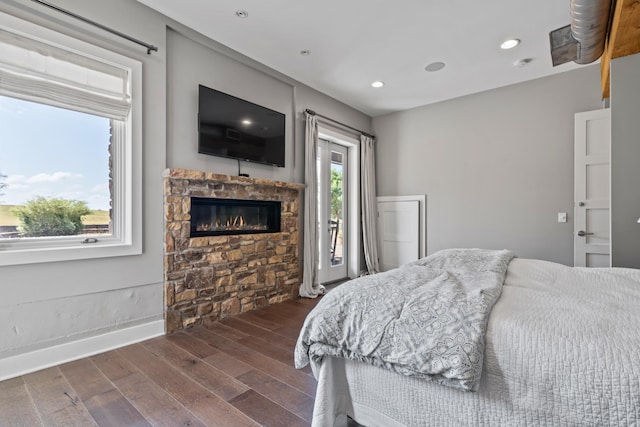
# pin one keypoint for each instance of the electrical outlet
(562, 217)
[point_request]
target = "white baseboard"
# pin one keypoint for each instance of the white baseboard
(22, 364)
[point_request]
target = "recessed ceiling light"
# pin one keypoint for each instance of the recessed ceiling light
(246, 122)
(377, 84)
(242, 14)
(510, 44)
(305, 52)
(434, 66)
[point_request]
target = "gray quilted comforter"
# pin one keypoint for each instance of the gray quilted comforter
(426, 319)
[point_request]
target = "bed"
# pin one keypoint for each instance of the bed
(560, 347)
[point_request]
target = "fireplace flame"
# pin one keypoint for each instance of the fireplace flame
(236, 222)
(232, 223)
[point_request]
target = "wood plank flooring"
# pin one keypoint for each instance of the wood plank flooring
(238, 372)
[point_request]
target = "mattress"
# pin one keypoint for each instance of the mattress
(562, 349)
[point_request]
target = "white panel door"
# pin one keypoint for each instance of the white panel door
(592, 227)
(398, 233)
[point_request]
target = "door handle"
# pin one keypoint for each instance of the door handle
(582, 233)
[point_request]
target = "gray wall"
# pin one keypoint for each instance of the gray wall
(54, 303)
(195, 60)
(191, 64)
(625, 161)
(496, 166)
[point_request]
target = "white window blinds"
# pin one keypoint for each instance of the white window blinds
(36, 71)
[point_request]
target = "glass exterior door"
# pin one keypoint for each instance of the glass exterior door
(332, 211)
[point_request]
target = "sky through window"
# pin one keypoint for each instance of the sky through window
(53, 152)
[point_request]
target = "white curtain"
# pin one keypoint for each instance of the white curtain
(310, 287)
(369, 204)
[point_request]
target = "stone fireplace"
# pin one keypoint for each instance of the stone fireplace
(231, 245)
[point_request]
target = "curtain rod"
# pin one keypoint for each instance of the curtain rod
(313, 113)
(149, 47)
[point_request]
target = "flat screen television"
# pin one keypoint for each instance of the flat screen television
(238, 129)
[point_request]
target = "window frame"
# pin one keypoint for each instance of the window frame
(126, 157)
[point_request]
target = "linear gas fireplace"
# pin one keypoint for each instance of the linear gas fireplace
(216, 217)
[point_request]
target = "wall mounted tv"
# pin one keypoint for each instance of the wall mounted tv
(238, 129)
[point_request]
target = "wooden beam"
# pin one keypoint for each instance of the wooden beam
(627, 29)
(623, 39)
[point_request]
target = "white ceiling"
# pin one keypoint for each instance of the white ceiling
(355, 42)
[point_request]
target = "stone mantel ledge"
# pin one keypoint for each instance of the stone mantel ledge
(229, 179)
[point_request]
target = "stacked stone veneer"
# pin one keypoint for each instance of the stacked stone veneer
(208, 278)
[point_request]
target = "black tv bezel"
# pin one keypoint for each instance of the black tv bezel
(202, 150)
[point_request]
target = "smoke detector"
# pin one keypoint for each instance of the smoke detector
(522, 63)
(434, 66)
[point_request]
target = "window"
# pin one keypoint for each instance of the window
(70, 148)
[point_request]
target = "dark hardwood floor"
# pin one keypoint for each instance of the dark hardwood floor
(238, 372)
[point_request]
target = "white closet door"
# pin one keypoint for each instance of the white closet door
(398, 232)
(592, 246)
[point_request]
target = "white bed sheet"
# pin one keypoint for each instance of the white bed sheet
(563, 349)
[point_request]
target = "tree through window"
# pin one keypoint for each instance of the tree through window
(56, 166)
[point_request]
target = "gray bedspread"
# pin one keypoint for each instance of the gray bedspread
(426, 319)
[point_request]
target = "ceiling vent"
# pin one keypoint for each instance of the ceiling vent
(583, 40)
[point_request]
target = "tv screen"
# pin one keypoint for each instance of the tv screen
(238, 129)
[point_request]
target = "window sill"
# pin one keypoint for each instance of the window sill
(33, 255)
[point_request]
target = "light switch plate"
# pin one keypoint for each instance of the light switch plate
(562, 217)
